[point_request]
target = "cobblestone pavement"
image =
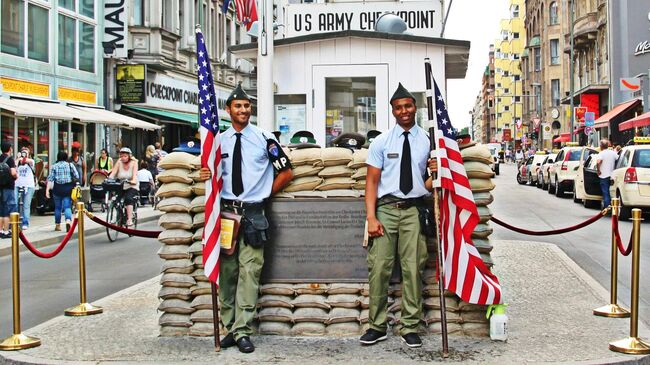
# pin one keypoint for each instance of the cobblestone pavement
(550, 301)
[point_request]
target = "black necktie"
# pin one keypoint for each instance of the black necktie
(237, 184)
(405, 173)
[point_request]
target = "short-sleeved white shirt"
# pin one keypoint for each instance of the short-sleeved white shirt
(608, 161)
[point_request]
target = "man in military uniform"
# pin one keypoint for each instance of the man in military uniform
(396, 185)
(250, 156)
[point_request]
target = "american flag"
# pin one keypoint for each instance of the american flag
(464, 270)
(210, 158)
(246, 11)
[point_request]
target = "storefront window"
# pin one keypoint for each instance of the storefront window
(87, 8)
(13, 27)
(63, 139)
(7, 128)
(26, 133)
(350, 105)
(38, 33)
(289, 115)
(86, 47)
(42, 147)
(66, 41)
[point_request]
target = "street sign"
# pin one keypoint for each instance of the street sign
(579, 115)
(589, 130)
(547, 131)
(590, 118)
(630, 84)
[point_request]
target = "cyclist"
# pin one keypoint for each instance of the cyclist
(126, 168)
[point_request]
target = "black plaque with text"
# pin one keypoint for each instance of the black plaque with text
(316, 240)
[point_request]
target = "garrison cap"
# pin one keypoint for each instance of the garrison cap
(277, 134)
(401, 93)
(349, 140)
(237, 94)
(303, 139)
(192, 146)
(370, 136)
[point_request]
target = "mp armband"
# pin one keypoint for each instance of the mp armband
(278, 158)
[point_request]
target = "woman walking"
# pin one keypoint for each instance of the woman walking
(63, 177)
(152, 159)
(25, 184)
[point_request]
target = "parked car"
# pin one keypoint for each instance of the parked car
(494, 151)
(542, 173)
(565, 168)
(631, 177)
(538, 159)
(586, 189)
(524, 168)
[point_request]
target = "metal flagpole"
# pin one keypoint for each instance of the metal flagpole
(436, 208)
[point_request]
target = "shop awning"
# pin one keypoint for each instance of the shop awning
(38, 109)
(642, 120)
(564, 137)
(101, 115)
(190, 118)
(619, 109)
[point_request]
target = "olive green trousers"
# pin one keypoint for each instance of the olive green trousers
(239, 281)
(402, 236)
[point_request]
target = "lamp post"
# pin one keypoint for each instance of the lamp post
(571, 62)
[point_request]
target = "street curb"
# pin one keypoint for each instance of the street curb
(6, 251)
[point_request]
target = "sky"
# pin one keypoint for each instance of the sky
(477, 22)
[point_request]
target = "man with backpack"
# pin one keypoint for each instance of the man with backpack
(8, 176)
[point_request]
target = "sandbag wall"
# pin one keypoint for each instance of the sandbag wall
(296, 309)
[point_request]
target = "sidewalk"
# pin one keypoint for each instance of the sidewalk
(550, 302)
(41, 229)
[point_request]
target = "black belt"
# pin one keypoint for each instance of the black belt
(237, 205)
(401, 203)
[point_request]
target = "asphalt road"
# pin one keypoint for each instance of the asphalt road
(49, 286)
(534, 209)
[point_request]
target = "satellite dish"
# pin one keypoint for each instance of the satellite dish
(390, 23)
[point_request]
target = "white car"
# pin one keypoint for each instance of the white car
(586, 189)
(565, 168)
(535, 168)
(631, 178)
(542, 174)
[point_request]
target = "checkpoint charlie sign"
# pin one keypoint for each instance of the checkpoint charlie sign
(422, 18)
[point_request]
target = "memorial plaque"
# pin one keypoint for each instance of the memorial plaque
(315, 241)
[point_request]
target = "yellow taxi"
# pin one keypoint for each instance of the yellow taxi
(631, 177)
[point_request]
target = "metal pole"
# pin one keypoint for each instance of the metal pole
(612, 309)
(84, 308)
(634, 344)
(17, 341)
(265, 110)
(572, 63)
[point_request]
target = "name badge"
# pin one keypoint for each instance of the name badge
(224, 155)
(393, 155)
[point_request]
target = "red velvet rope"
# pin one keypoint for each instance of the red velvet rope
(551, 232)
(132, 232)
(624, 251)
(56, 251)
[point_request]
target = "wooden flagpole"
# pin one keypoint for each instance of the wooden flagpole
(436, 209)
(215, 316)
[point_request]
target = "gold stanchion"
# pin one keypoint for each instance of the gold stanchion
(84, 308)
(613, 310)
(633, 344)
(18, 341)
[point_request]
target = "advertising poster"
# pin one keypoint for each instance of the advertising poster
(130, 81)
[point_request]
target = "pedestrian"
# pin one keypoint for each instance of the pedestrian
(25, 185)
(396, 187)
(80, 164)
(62, 179)
(151, 158)
(161, 154)
(508, 153)
(605, 160)
(8, 176)
(146, 181)
(104, 162)
(250, 156)
(519, 156)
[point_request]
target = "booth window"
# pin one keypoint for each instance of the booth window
(350, 104)
(290, 112)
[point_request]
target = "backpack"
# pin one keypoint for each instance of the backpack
(5, 173)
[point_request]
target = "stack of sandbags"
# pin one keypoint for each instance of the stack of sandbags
(307, 163)
(336, 174)
(358, 163)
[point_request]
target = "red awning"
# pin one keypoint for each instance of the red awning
(640, 121)
(578, 130)
(564, 137)
(619, 109)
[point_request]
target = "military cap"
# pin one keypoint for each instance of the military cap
(277, 134)
(349, 140)
(370, 136)
(303, 137)
(464, 141)
(192, 146)
(401, 93)
(237, 94)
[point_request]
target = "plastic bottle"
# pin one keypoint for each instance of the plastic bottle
(498, 322)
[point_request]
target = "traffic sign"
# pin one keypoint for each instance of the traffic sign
(630, 84)
(590, 117)
(589, 130)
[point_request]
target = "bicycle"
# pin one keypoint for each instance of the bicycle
(116, 212)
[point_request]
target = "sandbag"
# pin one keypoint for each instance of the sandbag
(198, 261)
(170, 292)
(310, 300)
(336, 183)
(174, 331)
(482, 199)
(309, 194)
(306, 170)
(202, 316)
(197, 205)
(336, 171)
(173, 252)
(484, 214)
(476, 329)
(434, 303)
(196, 162)
(199, 275)
(468, 307)
(303, 183)
(195, 176)
(202, 302)
(481, 185)
(198, 236)
(174, 190)
(181, 160)
(182, 266)
(275, 328)
(340, 315)
(482, 230)
(478, 153)
(177, 280)
(473, 317)
(359, 185)
(342, 288)
(435, 329)
(310, 314)
(433, 315)
(270, 300)
(175, 220)
(359, 158)
(198, 221)
(343, 329)
(478, 170)
(176, 306)
(196, 248)
(175, 175)
(175, 236)
(342, 193)
(202, 329)
(363, 316)
(308, 329)
(201, 288)
(198, 188)
(360, 174)
(174, 204)
(174, 320)
(343, 301)
(364, 302)
(275, 314)
(313, 288)
(332, 156)
(277, 289)
(305, 156)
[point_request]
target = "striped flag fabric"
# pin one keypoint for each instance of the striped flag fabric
(464, 271)
(210, 158)
(246, 12)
